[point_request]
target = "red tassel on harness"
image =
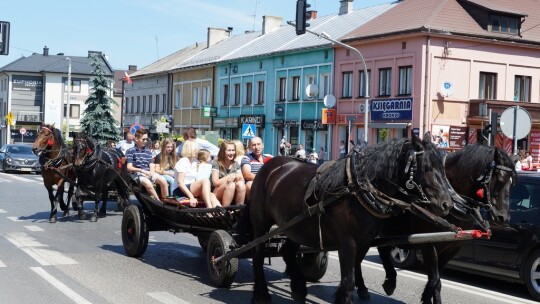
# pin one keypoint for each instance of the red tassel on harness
(480, 193)
(88, 150)
(50, 142)
(119, 163)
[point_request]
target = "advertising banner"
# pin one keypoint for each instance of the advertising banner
(535, 146)
(391, 109)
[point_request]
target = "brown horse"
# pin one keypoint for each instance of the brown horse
(400, 171)
(57, 168)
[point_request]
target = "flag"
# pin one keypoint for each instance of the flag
(127, 78)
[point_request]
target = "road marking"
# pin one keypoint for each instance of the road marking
(14, 218)
(3, 211)
(34, 228)
(36, 251)
(2, 180)
(2, 264)
(447, 284)
(22, 179)
(166, 298)
(60, 286)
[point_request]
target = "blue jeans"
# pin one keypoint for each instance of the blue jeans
(170, 181)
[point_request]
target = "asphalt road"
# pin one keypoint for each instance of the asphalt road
(75, 261)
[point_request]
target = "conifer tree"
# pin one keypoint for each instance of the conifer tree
(98, 120)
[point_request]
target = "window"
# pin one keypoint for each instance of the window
(405, 80)
(178, 99)
(225, 95)
(325, 86)
(522, 88)
(125, 105)
(138, 105)
(385, 82)
(362, 84)
(75, 86)
(205, 95)
(144, 105)
(260, 92)
(296, 88)
(196, 98)
(310, 79)
(346, 91)
(131, 108)
(249, 93)
(282, 89)
(163, 104)
(151, 108)
(488, 86)
(504, 24)
(75, 111)
(236, 94)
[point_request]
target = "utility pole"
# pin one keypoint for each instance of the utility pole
(68, 97)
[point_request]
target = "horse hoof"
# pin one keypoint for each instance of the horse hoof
(66, 213)
(298, 298)
(102, 214)
(364, 295)
(389, 287)
(81, 214)
(52, 220)
(94, 218)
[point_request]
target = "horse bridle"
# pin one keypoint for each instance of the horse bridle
(50, 140)
(89, 153)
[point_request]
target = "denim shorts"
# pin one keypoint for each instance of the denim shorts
(178, 191)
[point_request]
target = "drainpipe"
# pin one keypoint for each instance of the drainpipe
(229, 95)
(426, 85)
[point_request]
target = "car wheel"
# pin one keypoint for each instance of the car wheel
(403, 258)
(532, 275)
(4, 167)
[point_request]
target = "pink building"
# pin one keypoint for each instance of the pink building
(441, 66)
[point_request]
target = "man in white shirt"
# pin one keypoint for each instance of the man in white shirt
(190, 133)
(129, 142)
(300, 153)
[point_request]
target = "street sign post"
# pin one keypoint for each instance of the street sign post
(249, 130)
(516, 124)
(22, 131)
(133, 128)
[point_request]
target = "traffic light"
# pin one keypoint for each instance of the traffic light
(302, 15)
(4, 38)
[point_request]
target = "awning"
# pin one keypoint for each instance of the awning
(389, 125)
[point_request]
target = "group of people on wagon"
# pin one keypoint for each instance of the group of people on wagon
(197, 170)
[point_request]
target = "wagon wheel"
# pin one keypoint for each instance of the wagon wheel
(313, 265)
(222, 273)
(134, 231)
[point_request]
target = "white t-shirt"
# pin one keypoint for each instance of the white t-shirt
(124, 145)
(204, 172)
(188, 167)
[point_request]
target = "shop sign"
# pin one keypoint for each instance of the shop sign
(313, 125)
(391, 109)
(329, 116)
(534, 147)
(457, 137)
(343, 119)
(209, 111)
(228, 122)
(291, 123)
(257, 120)
(278, 123)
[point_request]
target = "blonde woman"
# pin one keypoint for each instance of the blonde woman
(240, 151)
(186, 178)
(229, 184)
(165, 162)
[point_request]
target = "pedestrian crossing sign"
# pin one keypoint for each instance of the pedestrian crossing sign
(249, 131)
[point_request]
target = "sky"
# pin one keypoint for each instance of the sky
(137, 32)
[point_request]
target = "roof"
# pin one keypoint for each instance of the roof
(38, 63)
(165, 64)
(285, 39)
(451, 17)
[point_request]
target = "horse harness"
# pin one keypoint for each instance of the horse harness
(54, 163)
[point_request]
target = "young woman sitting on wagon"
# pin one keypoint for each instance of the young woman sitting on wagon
(186, 178)
(229, 184)
(165, 162)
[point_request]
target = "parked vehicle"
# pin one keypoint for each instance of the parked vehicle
(512, 253)
(19, 157)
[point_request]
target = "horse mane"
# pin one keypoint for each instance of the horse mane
(478, 159)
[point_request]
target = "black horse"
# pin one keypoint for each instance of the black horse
(398, 172)
(97, 167)
(481, 174)
(57, 168)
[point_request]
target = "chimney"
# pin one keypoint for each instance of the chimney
(216, 35)
(271, 23)
(90, 53)
(60, 54)
(132, 67)
(45, 51)
(345, 6)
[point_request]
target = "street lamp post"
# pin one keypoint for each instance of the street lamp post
(366, 78)
(68, 97)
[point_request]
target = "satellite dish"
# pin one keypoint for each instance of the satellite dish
(312, 90)
(447, 89)
(329, 101)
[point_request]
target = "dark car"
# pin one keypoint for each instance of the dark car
(512, 253)
(18, 157)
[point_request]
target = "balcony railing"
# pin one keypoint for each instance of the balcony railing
(29, 116)
(498, 106)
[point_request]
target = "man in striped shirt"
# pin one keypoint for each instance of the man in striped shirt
(139, 161)
(253, 161)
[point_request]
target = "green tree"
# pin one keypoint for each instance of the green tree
(97, 119)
